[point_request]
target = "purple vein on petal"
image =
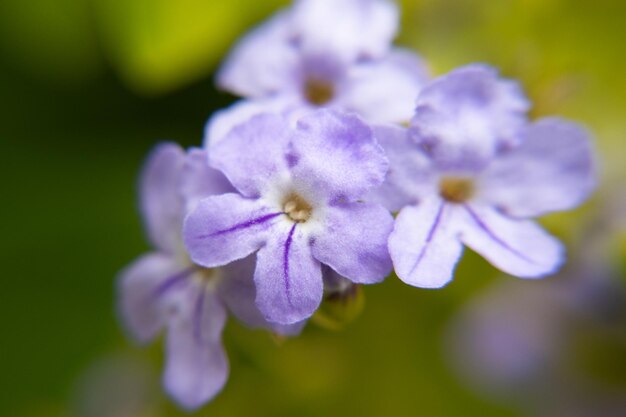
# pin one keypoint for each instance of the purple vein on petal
(243, 225)
(494, 237)
(429, 238)
(197, 316)
(173, 281)
(286, 263)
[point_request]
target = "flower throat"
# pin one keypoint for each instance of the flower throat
(297, 208)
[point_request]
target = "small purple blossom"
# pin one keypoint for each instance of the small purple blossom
(471, 171)
(328, 53)
(164, 289)
(299, 206)
(523, 342)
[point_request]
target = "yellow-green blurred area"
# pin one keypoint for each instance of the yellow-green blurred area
(87, 87)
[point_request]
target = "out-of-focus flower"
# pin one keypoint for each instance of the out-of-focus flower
(555, 347)
(322, 53)
(299, 206)
(471, 171)
(166, 289)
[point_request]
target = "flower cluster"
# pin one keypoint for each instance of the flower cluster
(296, 185)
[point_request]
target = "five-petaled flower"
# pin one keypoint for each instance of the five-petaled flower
(321, 53)
(165, 289)
(298, 206)
(470, 170)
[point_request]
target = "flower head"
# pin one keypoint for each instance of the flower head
(470, 171)
(165, 289)
(299, 206)
(328, 53)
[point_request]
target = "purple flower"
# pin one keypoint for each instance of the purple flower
(328, 53)
(546, 345)
(298, 206)
(471, 171)
(165, 289)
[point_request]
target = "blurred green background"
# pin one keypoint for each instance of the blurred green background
(87, 87)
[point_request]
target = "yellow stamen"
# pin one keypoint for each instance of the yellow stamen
(318, 92)
(297, 208)
(456, 189)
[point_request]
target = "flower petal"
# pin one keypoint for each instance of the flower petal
(424, 245)
(354, 242)
(348, 28)
(517, 247)
(261, 63)
(411, 176)
(140, 305)
(197, 367)
(288, 279)
(223, 121)
(199, 180)
(553, 169)
(466, 117)
(337, 153)
(237, 290)
(161, 202)
(253, 152)
(385, 91)
(225, 228)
